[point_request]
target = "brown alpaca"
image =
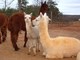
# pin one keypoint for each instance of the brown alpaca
(44, 8)
(16, 24)
(3, 27)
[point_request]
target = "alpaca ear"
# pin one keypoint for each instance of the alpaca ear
(41, 3)
(24, 13)
(45, 14)
(41, 14)
(45, 2)
(31, 14)
(49, 19)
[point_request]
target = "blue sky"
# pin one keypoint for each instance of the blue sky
(70, 7)
(14, 3)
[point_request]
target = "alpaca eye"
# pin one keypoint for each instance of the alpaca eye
(36, 20)
(24, 17)
(29, 17)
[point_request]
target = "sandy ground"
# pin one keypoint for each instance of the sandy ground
(7, 52)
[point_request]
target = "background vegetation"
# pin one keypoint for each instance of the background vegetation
(53, 12)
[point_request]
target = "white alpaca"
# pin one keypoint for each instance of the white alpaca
(32, 34)
(57, 47)
(78, 56)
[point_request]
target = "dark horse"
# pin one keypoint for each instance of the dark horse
(3, 27)
(17, 23)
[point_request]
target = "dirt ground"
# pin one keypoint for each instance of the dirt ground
(7, 52)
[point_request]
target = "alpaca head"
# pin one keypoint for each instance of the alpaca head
(41, 18)
(27, 19)
(44, 7)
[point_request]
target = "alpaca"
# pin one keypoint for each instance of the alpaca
(15, 25)
(3, 27)
(33, 36)
(57, 47)
(78, 56)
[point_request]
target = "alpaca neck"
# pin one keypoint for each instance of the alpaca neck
(29, 30)
(32, 32)
(44, 35)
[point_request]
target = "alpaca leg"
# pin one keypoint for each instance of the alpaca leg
(38, 46)
(25, 39)
(55, 55)
(14, 38)
(4, 34)
(78, 56)
(29, 46)
(50, 55)
(34, 50)
(29, 50)
(60, 55)
(44, 54)
(73, 56)
(0, 37)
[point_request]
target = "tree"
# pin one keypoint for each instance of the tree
(6, 4)
(52, 7)
(22, 4)
(32, 8)
(53, 10)
(38, 2)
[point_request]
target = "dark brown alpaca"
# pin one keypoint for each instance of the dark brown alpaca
(3, 27)
(17, 23)
(44, 8)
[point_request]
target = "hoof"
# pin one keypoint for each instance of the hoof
(28, 53)
(34, 55)
(43, 56)
(24, 46)
(0, 42)
(38, 50)
(3, 40)
(16, 49)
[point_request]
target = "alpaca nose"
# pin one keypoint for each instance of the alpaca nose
(32, 25)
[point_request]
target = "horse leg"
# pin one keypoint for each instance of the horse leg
(14, 37)
(25, 39)
(4, 34)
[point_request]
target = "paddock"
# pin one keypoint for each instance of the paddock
(7, 52)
